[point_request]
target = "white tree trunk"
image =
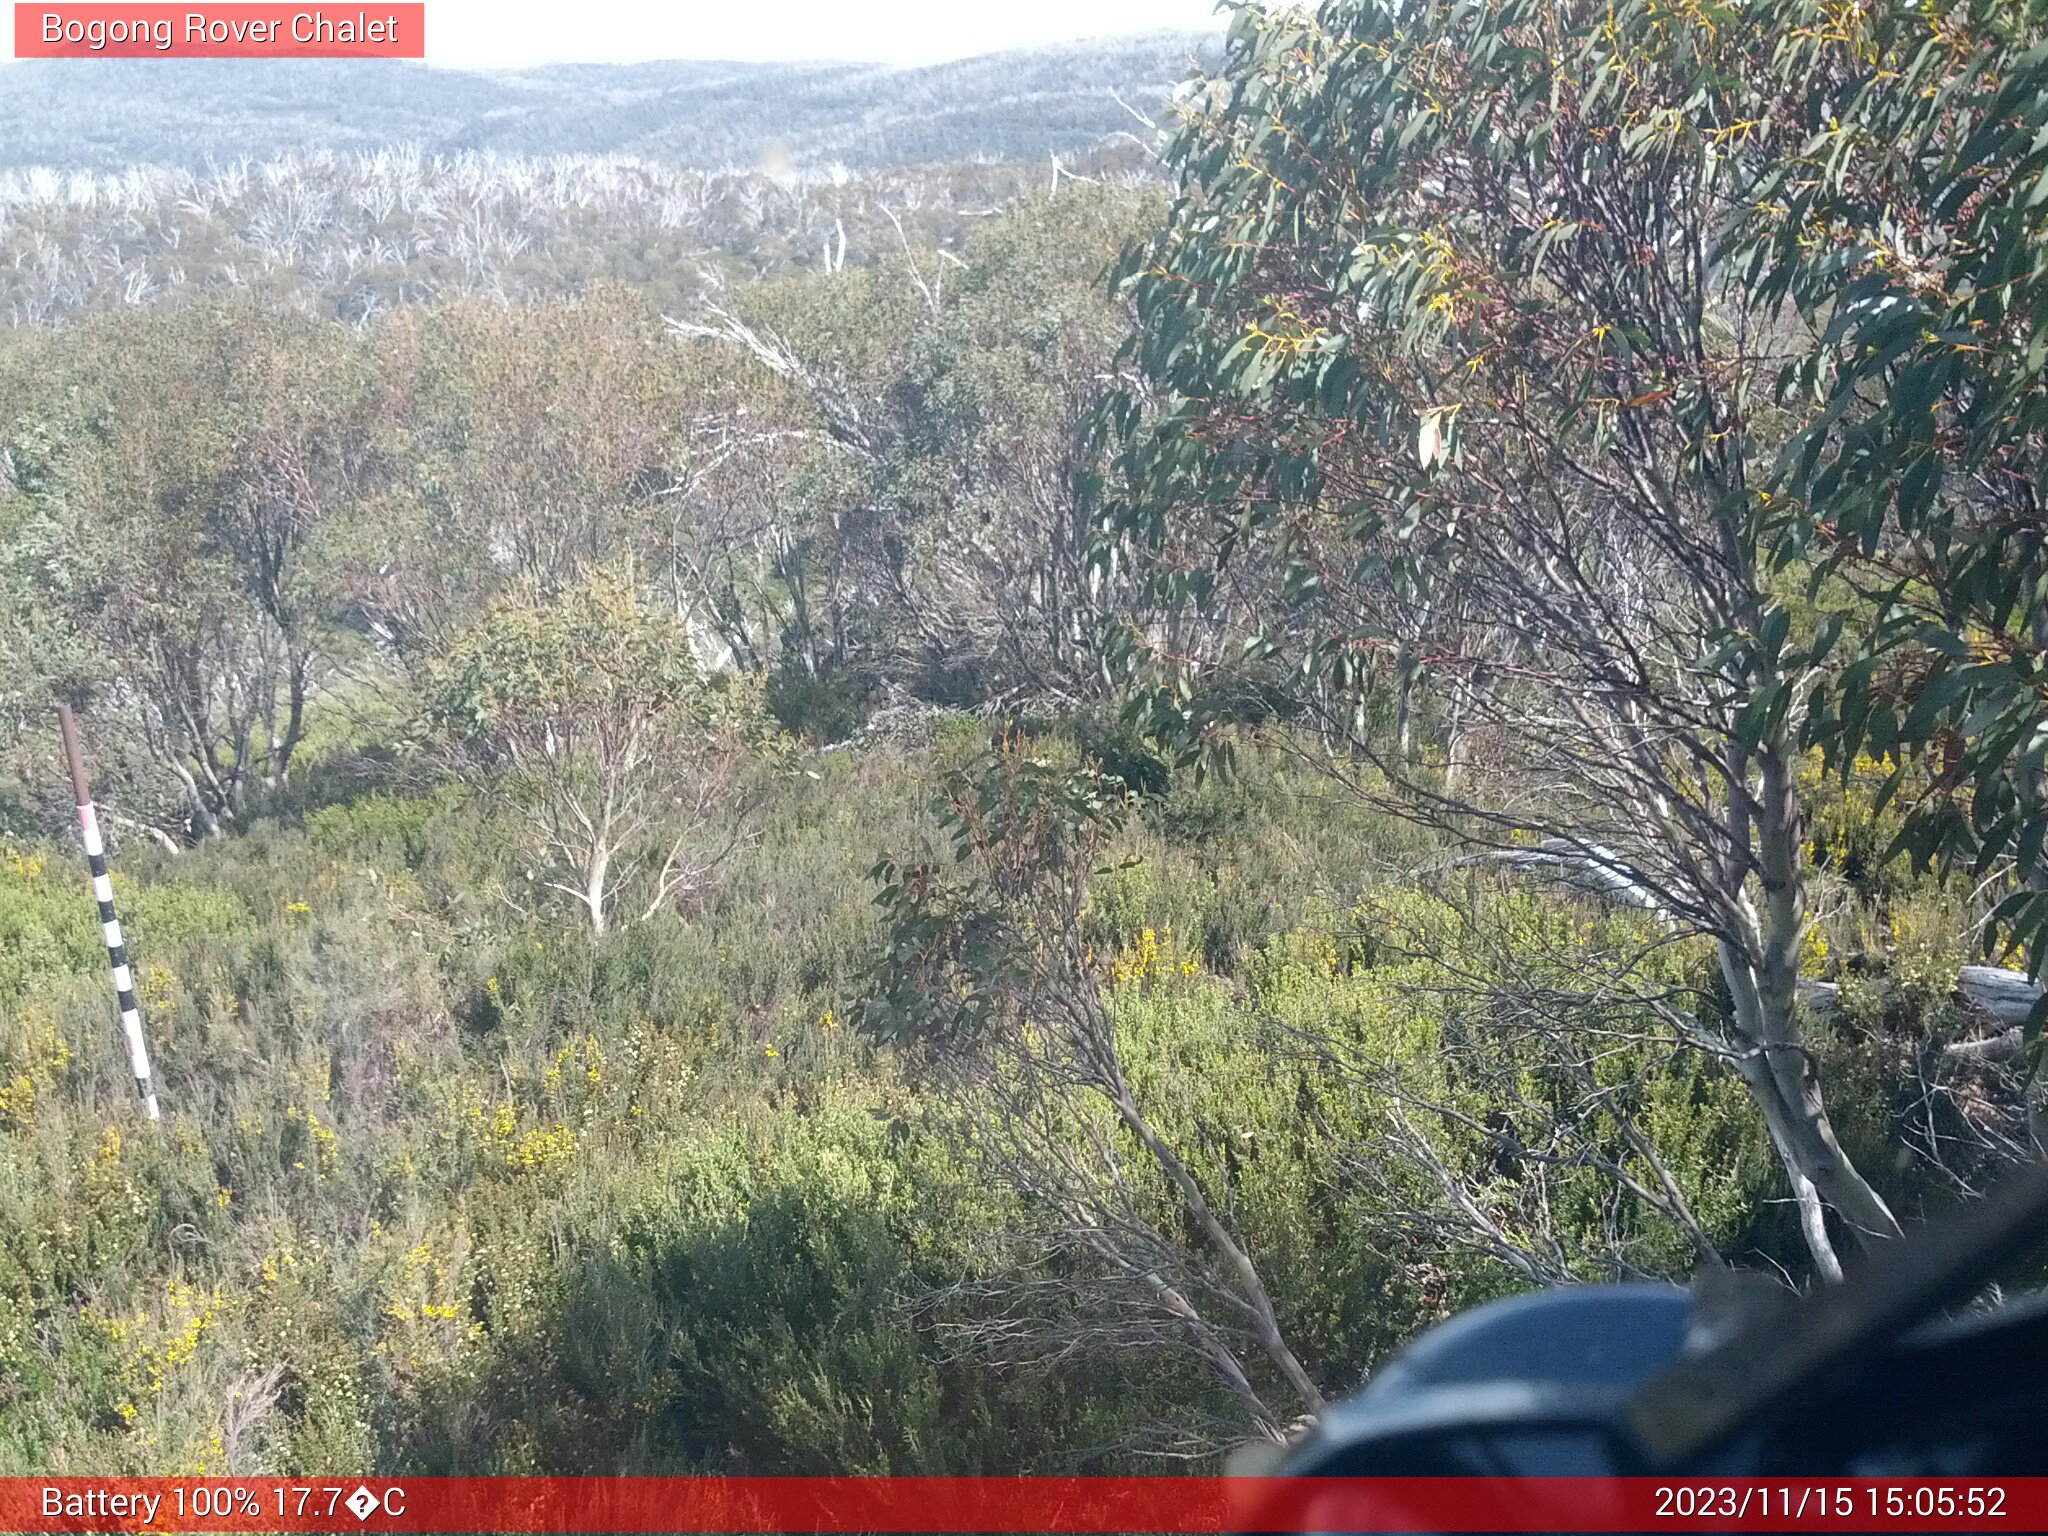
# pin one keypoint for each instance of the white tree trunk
(594, 888)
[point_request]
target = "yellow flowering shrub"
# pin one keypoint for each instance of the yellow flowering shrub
(153, 1345)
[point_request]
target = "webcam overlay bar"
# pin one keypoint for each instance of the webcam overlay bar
(376, 30)
(1084, 1506)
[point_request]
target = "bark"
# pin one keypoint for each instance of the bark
(1812, 1216)
(294, 724)
(155, 834)
(594, 888)
(2034, 776)
(202, 815)
(1787, 1089)
(1766, 992)
(1404, 724)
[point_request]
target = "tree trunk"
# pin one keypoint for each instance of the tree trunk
(1763, 1088)
(2034, 781)
(1404, 725)
(1763, 985)
(202, 814)
(283, 751)
(593, 888)
(1454, 734)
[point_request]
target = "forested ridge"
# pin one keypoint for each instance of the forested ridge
(1015, 816)
(1024, 105)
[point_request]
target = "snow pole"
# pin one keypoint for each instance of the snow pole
(110, 925)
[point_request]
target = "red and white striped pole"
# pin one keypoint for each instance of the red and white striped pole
(110, 925)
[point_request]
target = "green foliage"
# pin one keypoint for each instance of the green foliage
(1908, 232)
(505, 1200)
(176, 481)
(959, 944)
(447, 1186)
(1460, 383)
(1394, 290)
(44, 927)
(590, 714)
(587, 661)
(394, 831)
(823, 707)
(365, 1208)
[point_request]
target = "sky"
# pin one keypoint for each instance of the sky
(501, 34)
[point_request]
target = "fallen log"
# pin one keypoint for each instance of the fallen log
(1590, 869)
(1991, 993)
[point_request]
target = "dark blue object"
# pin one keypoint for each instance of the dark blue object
(1527, 1386)
(1554, 1385)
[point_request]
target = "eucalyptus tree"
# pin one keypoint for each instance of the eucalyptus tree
(584, 713)
(1904, 221)
(180, 476)
(942, 548)
(1451, 392)
(531, 440)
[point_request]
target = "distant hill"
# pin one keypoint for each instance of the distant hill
(106, 114)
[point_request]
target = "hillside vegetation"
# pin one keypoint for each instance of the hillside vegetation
(94, 114)
(1025, 845)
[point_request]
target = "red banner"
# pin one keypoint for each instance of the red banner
(373, 31)
(1083, 1505)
